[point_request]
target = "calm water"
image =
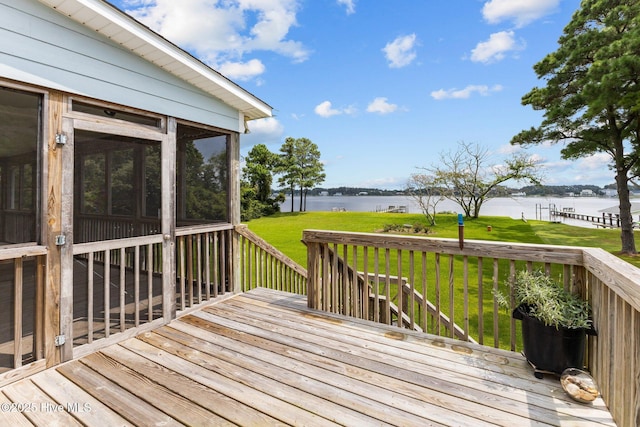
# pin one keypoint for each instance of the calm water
(530, 207)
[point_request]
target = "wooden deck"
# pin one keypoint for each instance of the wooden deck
(263, 358)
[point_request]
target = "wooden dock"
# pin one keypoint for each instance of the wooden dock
(264, 358)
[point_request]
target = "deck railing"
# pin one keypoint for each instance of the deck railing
(392, 279)
(262, 265)
(117, 286)
(204, 257)
(22, 281)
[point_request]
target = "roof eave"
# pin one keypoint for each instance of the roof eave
(164, 53)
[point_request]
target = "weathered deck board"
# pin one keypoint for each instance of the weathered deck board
(264, 358)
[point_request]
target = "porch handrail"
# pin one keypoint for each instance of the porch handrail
(611, 285)
(263, 265)
(21, 250)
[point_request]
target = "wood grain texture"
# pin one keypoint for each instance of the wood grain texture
(265, 358)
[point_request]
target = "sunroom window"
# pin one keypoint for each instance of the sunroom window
(20, 135)
(202, 176)
(118, 187)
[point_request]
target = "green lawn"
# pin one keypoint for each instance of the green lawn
(284, 230)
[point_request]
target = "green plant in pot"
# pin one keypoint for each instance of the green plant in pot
(554, 322)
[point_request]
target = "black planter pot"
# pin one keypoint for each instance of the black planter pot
(551, 350)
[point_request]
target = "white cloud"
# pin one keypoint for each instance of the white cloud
(508, 149)
(465, 93)
(325, 109)
(221, 34)
(521, 12)
(598, 162)
(242, 70)
(349, 4)
(401, 51)
(495, 48)
(381, 106)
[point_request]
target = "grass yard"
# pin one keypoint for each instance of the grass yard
(284, 230)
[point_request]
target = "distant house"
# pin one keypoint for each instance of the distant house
(107, 130)
(587, 193)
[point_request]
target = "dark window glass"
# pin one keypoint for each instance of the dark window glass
(20, 128)
(118, 187)
(202, 176)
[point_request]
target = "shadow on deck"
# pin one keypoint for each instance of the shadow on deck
(263, 358)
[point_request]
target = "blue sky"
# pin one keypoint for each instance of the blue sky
(382, 87)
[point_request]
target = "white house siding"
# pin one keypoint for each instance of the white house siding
(42, 47)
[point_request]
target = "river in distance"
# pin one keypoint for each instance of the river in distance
(516, 207)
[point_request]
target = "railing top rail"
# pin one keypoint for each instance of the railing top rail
(21, 250)
(107, 245)
(620, 276)
(569, 255)
(204, 228)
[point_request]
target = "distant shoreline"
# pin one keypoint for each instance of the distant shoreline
(514, 207)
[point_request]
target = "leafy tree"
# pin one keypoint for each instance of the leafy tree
(259, 164)
(256, 192)
(310, 168)
(300, 167)
(287, 167)
(591, 100)
(467, 179)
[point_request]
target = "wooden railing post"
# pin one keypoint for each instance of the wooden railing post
(313, 276)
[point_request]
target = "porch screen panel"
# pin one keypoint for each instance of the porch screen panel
(20, 130)
(202, 176)
(118, 191)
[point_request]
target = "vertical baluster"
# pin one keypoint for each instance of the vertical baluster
(387, 287)
(400, 282)
(512, 303)
(344, 306)
(207, 265)
(17, 311)
(466, 296)
(425, 292)
(223, 262)
(150, 257)
(376, 284)
(90, 298)
(480, 303)
(107, 293)
(334, 279)
(412, 294)
(496, 308)
(354, 306)
(365, 294)
(199, 264)
(183, 271)
(189, 288)
(136, 285)
(123, 289)
(452, 331)
(437, 296)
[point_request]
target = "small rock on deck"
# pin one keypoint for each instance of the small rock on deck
(263, 358)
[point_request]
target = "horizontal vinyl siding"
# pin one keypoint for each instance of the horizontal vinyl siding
(42, 47)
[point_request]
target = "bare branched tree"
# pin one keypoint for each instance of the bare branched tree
(424, 190)
(467, 179)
